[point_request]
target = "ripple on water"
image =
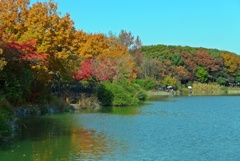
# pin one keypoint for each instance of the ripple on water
(183, 128)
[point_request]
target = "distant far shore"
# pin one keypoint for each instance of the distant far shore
(224, 91)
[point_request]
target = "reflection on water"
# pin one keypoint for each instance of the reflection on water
(56, 137)
(158, 98)
(168, 128)
(132, 110)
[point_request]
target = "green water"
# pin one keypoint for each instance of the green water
(166, 128)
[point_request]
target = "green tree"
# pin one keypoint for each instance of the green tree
(201, 74)
(237, 79)
(176, 59)
(149, 83)
(170, 81)
(221, 80)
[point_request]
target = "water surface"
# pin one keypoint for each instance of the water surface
(166, 128)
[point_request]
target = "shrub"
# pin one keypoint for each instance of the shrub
(6, 114)
(6, 108)
(120, 93)
(16, 86)
(146, 84)
(5, 127)
(149, 83)
(140, 82)
(104, 94)
(140, 93)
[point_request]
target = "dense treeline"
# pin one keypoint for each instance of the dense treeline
(39, 46)
(188, 64)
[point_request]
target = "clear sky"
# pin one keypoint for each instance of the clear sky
(196, 23)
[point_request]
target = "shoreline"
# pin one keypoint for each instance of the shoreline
(37, 110)
(194, 93)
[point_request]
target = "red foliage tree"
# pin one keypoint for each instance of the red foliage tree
(97, 70)
(25, 51)
(14, 51)
(105, 69)
(86, 70)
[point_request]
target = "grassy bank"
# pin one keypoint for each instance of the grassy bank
(198, 90)
(157, 93)
(233, 90)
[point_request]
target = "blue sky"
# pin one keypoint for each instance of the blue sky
(196, 23)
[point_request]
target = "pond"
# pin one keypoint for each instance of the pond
(165, 129)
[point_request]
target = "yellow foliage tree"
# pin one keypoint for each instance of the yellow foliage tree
(13, 14)
(53, 34)
(231, 62)
(95, 45)
(57, 37)
(41, 22)
(100, 47)
(2, 61)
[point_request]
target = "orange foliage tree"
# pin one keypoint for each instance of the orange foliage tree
(189, 64)
(102, 50)
(204, 59)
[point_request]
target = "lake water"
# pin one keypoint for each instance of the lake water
(194, 128)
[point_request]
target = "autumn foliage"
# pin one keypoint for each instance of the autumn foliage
(188, 64)
(38, 42)
(26, 51)
(101, 70)
(45, 44)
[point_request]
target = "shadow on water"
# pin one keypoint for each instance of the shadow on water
(162, 98)
(42, 127)
(56, 137)
(129, 110)
(167, 128)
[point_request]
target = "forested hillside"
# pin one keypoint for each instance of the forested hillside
(190, 64)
